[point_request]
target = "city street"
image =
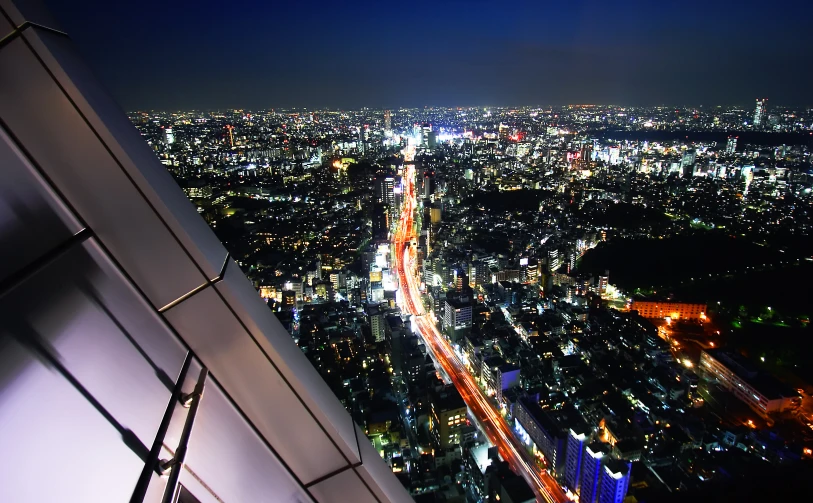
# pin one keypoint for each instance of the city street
(492, 423)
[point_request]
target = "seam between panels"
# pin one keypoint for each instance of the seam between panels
(356, 433)
(168, 326)
(331, 474)
(114, 157)
(14, 31)
(370, 489)
(25, 272)
(284, 378)
(213, 377)
(17, 30)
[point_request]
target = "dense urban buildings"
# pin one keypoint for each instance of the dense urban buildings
(592, 303)
(560, 254)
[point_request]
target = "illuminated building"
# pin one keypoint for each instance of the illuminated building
(447, 417)
(731, 145)
(381, 222)
(500, 378)
(576, 439)
(603, 282)
(362, 137)
(377, 322)
(758, 390)
(428, 184)
(673, 310)
(387, 122)
(760, 111)
(504, 131)
(288, 298)
(384, 190)
(456, 316)
(615, 480)
(126, 322)
(548, 439)
(425, 130)
(593, 459)
(169, 136)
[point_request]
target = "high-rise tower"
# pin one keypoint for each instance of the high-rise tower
(387, 122)
(760, 112)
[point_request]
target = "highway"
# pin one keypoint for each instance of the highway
(491, 421)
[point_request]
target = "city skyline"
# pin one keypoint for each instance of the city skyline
(459, 53)
(270, 282)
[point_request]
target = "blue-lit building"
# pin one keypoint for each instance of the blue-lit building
(615, 480)
(576, 439)
(593, 458)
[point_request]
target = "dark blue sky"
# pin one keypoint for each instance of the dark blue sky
(174, 54)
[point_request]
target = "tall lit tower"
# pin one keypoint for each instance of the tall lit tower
(361, 140)
(387, 122)
(231, 134)
(169, 136)
(760, 111)
(731, 146)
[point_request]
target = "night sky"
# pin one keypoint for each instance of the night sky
(174, 54)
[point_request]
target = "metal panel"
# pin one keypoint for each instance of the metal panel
(32, 11)
(79, 311)
(30, 216)
(56, 445)
(277, 343)
(228, 457)
(5, 26)
(130, 149)
(234, 359)
(48, 126)
(338, 488)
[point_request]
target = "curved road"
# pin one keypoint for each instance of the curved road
(491, 421)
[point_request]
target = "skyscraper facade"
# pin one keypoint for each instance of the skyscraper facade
(760, 112)
(573, 457)
(592, 463)
(387, 122)
(615, 480)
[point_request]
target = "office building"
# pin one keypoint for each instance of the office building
(576, 442)
(381, 222)
(169, 136)
(385, 190)
(124, 306)
(456, 316)
(760, 112)
(362, 138)
(593, 459)
(615, 480)
(731, 145)
(603, 283)
(500, 377)
(377, 328)
(387, 122)
(673, 310)
(447, 416)
(503, 132)
(547, 438)
(760, 391)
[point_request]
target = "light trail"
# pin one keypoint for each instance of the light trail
(491, 421)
